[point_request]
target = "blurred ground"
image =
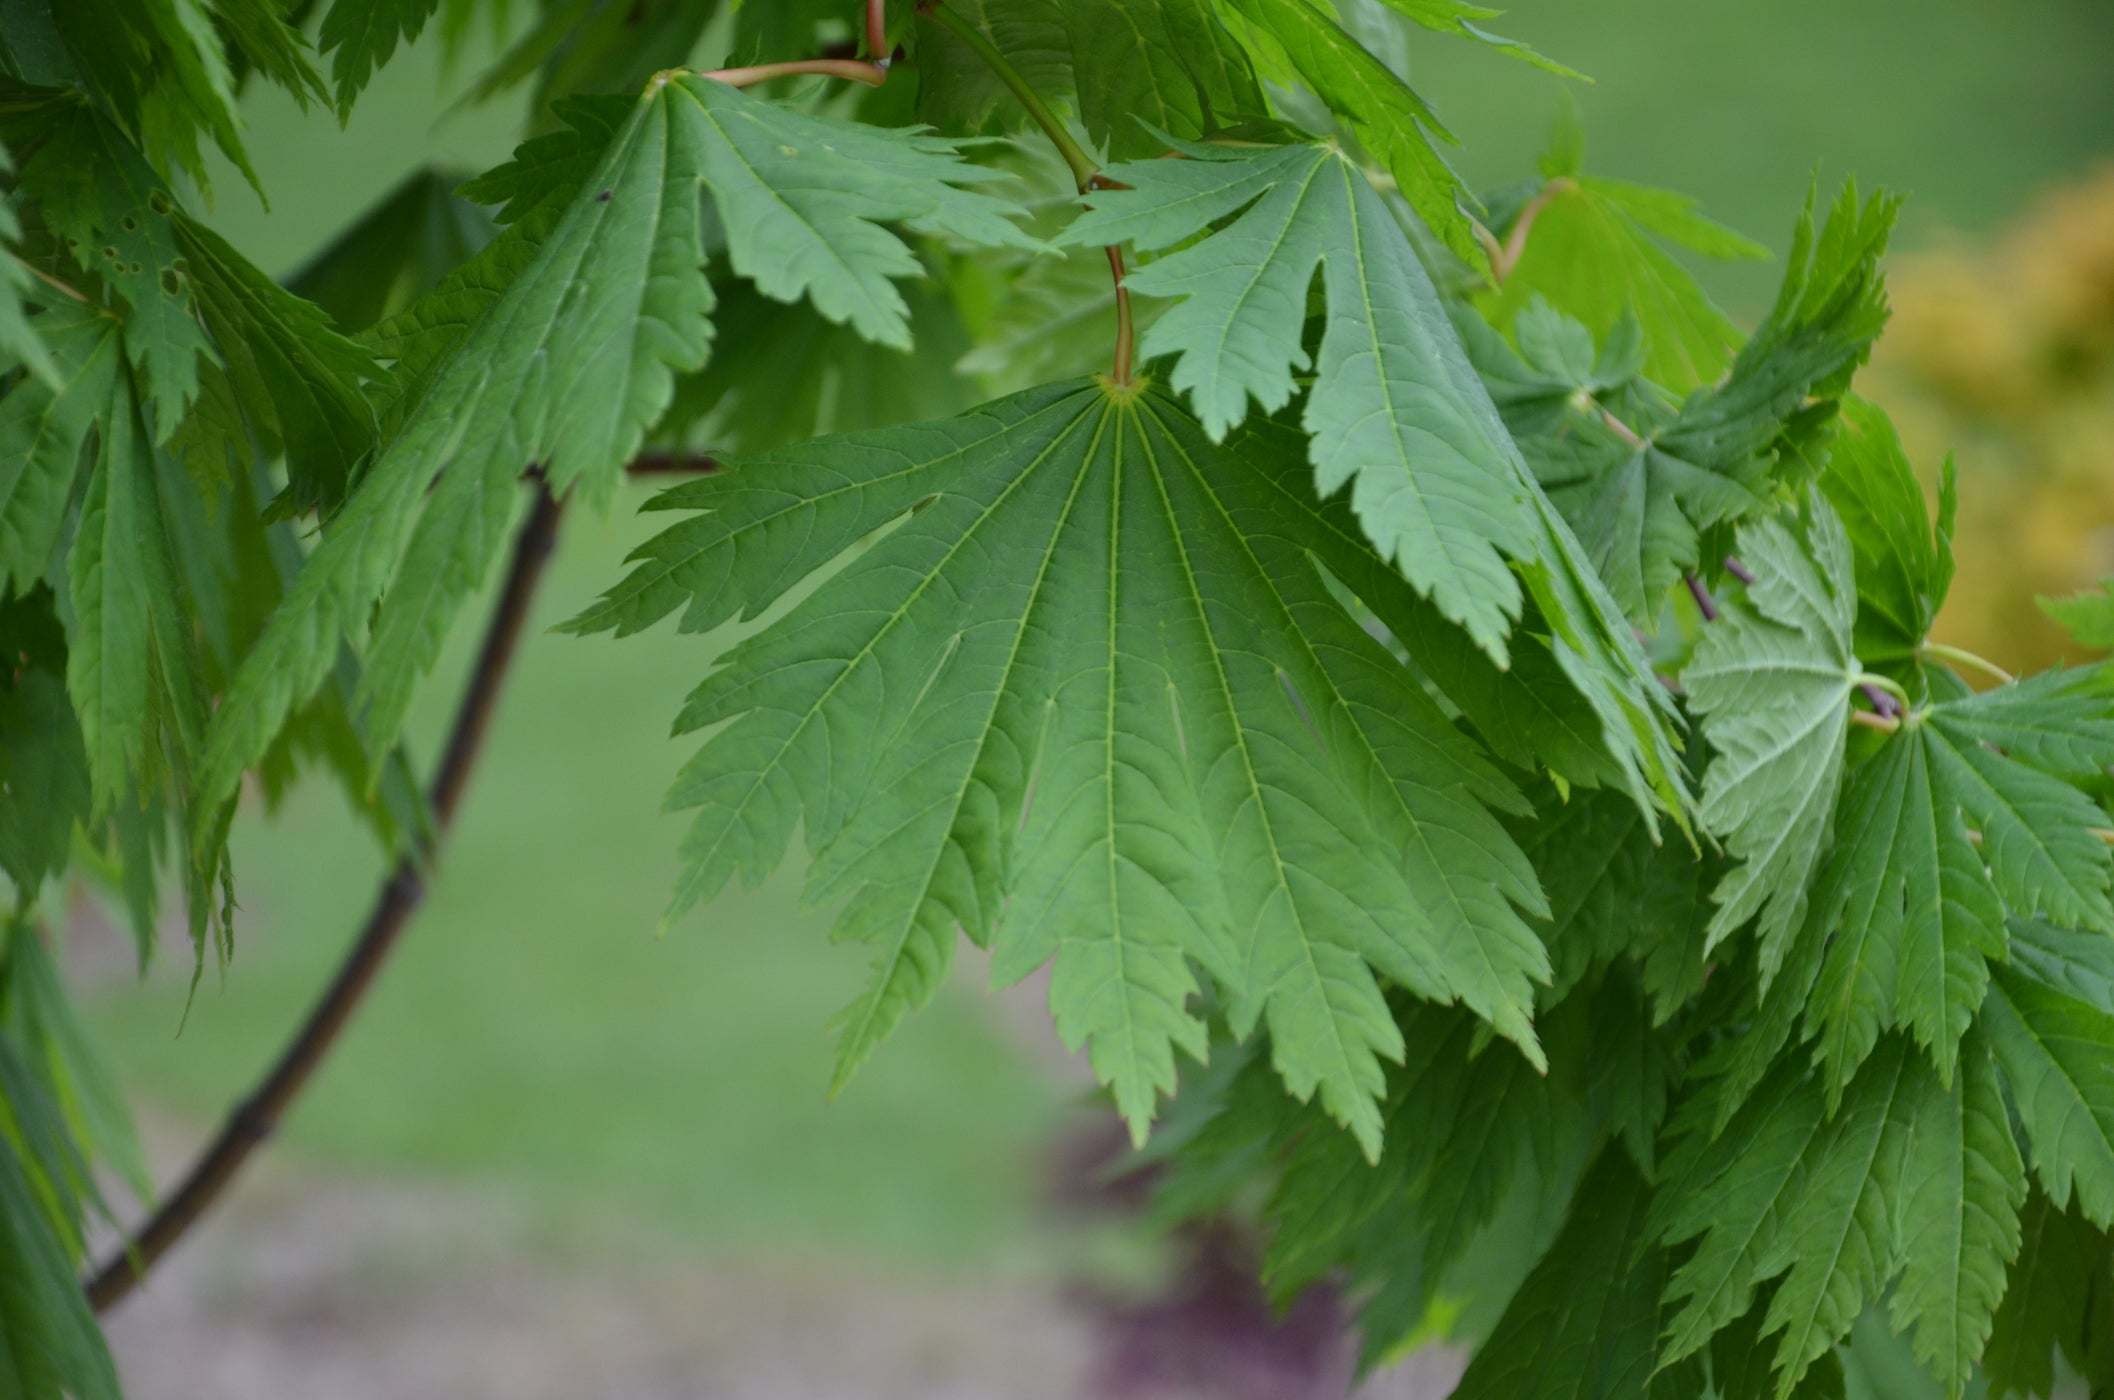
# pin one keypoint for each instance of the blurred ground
(555, 1156)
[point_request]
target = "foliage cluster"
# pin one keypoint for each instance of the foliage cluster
(1460, 716)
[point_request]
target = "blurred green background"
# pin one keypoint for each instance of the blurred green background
(532, 1029)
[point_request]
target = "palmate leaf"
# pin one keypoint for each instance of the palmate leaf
(1641, 484)
(568, 366)
(1965, 814)
(2050, 1022)
(109, 209)
(1904, 562)
(1907, 1177)
(1142, 66)
(2060, 1293)
(1772, 681)
(362, 35)
(300, 385)
(1585, 1326)
(1093, 699)
(1457, 17)
(43, 428)
(1396, 411)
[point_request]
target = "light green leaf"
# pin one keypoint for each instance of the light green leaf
(361, 35)
(1386, 114)
(1904, 569)
(2088, 616)
(107, 207)
(1457, 17)
(1956, 821)
(1959, 1220)
(43, 429)
(2052, 1048)
(1905, 1177)
(129, 663)
(1206, 765)
(1772, 681)
(1589, 249)
(570, 364)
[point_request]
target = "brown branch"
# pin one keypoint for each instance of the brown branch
(671, 462)
(254, 1119)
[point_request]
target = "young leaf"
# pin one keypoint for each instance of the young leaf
(1904, 569)
(1093, 699)
(568, 366)
(1587, 247)
(1772, 681)
(1956, 821)
(2088, 616)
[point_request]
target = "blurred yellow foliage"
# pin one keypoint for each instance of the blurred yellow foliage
(2004, 356)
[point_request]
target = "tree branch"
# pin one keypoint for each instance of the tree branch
(256, 1117)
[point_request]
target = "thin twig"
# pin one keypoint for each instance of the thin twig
(1698, 591)
(877, 33)
(1885, 724)
(256, 1117)
(1505, 259)
(671, 462)
(856, 70)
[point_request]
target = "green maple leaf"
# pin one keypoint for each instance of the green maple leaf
(1395, 410)
(111, 213)
(1592, 247)
(1457, 17)
(1143, 66)
(570, 363)
(1093, 699)
(1639, 504)
(43, 428)
(1299, 40)
(1965, 814)
(300, 385)
(1585, 1325)
(1772, 681)
(1641, 483)
(1615, 890)
(2088, 615)
(1907, 1176)
(361, 35)
(2050, 1023)
(1904, 566)
(2058, 1281)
